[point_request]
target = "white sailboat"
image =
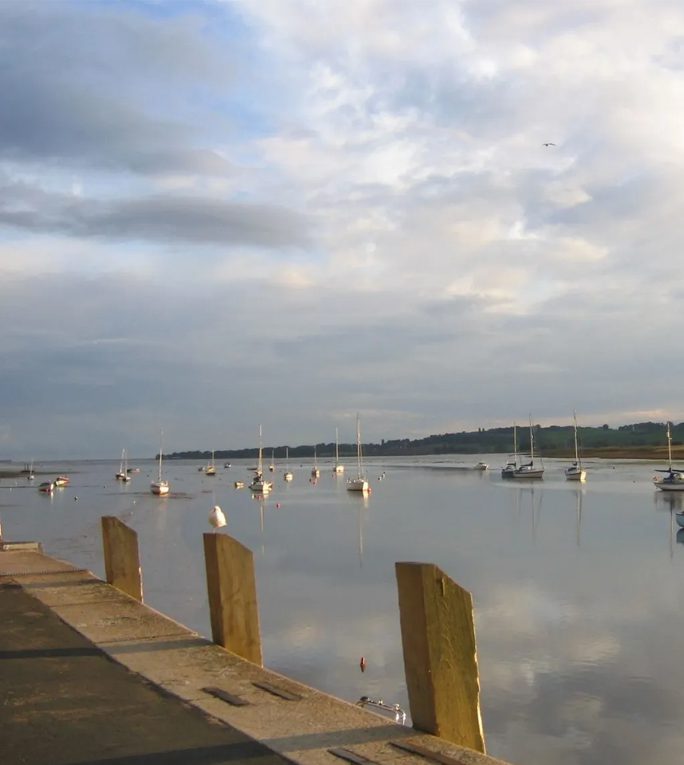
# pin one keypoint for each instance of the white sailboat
(315, 472)
(160, 487)
(259, 485)
(672, 479)
(529, 469)
(287, 475)
(271, 467)
(576, 472)
(338, 469)
(512, 465)
(123, 474)
(210, 469)
(359, 483)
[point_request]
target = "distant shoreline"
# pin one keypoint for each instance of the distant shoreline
(624, 453)
(646, 453)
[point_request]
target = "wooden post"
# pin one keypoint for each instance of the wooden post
(440, 658)
(231, 586)
(122, 561)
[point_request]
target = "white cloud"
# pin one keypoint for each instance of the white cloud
(367, 178)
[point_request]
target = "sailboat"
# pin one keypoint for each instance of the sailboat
(160, 487)
(315, 472)
(529, 469)
(512, 465)
(575, 472)
(123, 474)
(338, 469)
(287, 475)
(359, 483)
(210, 469)
(672, 480)
(258, 483)
(271, 467)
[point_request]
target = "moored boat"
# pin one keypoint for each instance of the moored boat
(210, 469)
(529, 470)
(512, 465)
(672, 478)
(576, 472)
(124, 473)
(287, 475)
(259, 485)
(315, 472)
(338, 468)
(359, 483)
(160, 487)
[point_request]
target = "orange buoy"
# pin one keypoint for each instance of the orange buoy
(362, 664)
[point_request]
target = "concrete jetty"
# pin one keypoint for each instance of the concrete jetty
(89, 674)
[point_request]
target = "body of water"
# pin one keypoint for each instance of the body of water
(579, 605)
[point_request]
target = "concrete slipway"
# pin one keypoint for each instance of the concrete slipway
(90, 675)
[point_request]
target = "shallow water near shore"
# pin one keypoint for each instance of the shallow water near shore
(577, 589)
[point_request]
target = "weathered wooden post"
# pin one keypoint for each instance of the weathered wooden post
(122, 561)
(231, 585)
(440, 658)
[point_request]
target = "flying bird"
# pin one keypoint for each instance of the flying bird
(548, 143)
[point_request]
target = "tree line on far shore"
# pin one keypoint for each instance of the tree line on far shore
(551, 440)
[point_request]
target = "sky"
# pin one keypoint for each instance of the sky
(219, 214)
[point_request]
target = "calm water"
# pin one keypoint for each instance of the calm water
(578, 591)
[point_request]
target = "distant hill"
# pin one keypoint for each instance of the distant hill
(642, 439)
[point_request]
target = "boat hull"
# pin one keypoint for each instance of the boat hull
(677, 485)
(358, 484)
(159, 488)
(535, 473)
(571, 474)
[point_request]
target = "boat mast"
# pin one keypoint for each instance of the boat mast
(515, 444)
(577, 455)
(531, 442)
(337, 446)
(161, 438)
(358, 446)
(259, 467)
(669, 447)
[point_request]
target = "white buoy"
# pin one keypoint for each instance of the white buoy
(216, 517)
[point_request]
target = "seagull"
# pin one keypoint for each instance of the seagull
(548, 143)
(216, 517)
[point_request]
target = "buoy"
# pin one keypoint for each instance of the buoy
(216, 517)
(362, 664)
(277, 504)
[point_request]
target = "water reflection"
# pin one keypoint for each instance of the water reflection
(578, 513)
(528, 500)
(577, 599)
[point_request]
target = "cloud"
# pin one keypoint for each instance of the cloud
(350, 201)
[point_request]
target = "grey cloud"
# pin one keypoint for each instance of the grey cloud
(61, 72)
(201, 220)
